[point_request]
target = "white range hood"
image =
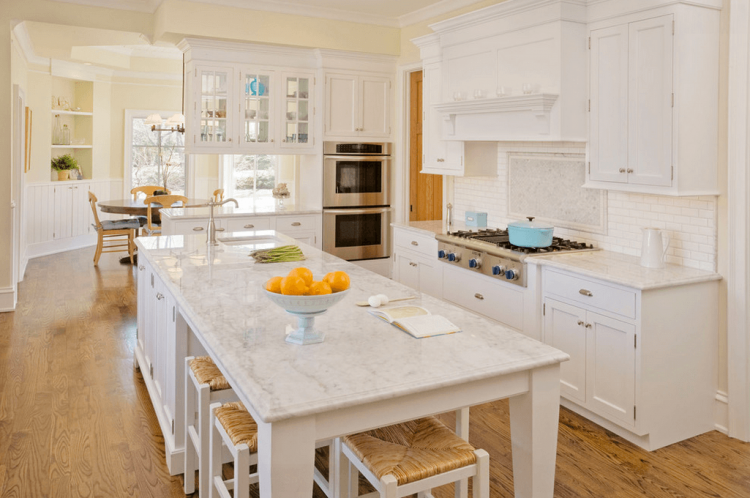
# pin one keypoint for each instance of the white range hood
(517, 43)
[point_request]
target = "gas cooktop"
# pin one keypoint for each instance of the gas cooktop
(489, 251)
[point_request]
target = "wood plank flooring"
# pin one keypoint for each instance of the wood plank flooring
(76, 420)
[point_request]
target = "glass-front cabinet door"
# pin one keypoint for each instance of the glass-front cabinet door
(215, 95)
(297, 113)
(256, 109)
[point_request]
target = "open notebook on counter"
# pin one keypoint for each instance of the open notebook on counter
(416, 321)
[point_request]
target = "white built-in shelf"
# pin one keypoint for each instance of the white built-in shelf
(538, 103)
(72, 146)
(72, 113)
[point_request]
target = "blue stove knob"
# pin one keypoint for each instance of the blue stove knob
(511, 275)
(441, 254)
(451, 257)
(497, 270)
(474, 263)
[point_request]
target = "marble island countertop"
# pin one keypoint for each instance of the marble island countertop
(363, 359)
(245, 209)
(624, 269)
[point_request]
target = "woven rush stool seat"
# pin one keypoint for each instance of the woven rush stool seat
(204, 384)
(411, 451)
(411, 457)
(238, 424)
(206, 372)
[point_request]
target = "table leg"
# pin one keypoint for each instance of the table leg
(286, 458)
(534, 419)
(462, 429)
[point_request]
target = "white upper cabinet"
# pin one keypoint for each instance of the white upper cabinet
(257, 95)
(358, 106)
(298, 110)
(213, 99)
(653, 84)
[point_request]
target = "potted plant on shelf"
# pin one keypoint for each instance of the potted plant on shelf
(63, 164)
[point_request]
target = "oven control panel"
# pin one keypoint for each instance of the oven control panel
(498, 267)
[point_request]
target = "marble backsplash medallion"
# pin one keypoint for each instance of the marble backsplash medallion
(549, 188)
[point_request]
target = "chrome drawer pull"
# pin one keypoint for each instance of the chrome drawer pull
(479, 296)
(159, 296)
(249, 226)
(412, 264)
(580, 322)
(219, 229)
(296, 224)
(414, 243)
(585, 292)
(198, 229)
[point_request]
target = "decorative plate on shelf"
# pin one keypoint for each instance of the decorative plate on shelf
(255, 88)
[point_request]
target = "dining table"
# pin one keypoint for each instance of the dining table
(136, 207)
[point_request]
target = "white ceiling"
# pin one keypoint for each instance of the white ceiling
(394, 13)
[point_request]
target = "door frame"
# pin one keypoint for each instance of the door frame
(401, 159)
(17, 189)
(738, 230)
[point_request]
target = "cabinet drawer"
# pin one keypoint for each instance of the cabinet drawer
(242, 224)
(591, 293)
(293, 223)
(193, 227)
(422, 244)
(479, 294)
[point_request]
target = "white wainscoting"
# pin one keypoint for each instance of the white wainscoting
(58, 216)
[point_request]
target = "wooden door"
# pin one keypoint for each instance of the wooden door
(610, 373)
(374, 96)
(608, 147)
(564, 329)
(342, 114)
(651, 101)
(425, 191)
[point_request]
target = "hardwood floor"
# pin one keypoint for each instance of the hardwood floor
(76, 419)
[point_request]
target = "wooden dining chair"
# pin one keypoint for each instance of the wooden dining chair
(218, 195)
(115, 233)
(147, 190)
(166, 201)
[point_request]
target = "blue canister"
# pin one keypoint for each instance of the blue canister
(474, 219)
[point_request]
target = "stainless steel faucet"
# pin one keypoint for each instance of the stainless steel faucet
(211, 225)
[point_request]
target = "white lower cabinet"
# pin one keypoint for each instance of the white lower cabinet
(601, 372)
(642, 362)
(418, 272)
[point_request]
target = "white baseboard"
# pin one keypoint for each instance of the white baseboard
(7, 299)
(60, 245)
(721, 412)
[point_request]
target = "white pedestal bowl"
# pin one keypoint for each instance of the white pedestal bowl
(305, 309)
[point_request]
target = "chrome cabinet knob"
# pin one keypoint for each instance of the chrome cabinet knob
(141, 267)
(414, 243)
(630, 170)
(159, 296)
(588, 325)
(412, 264)
(622, 170)
(580, 322)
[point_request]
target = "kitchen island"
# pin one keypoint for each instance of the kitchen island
(194, 299)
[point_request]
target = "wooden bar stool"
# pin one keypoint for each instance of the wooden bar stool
(232, 425)
(205, 385)
(413, 457)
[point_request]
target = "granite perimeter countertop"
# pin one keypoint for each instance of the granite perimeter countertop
(623, 269)
(245, 209)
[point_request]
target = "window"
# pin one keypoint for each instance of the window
(250, 176)
(153, 157)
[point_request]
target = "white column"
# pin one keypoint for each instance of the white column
(286, 458)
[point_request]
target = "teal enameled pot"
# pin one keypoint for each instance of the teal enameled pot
(530, 233)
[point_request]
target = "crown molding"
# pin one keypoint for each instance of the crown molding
(434, 10)
(27, 46)
(308, 11)
(145, 51)
(148, 6)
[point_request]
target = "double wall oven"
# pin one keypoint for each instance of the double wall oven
(356, 200)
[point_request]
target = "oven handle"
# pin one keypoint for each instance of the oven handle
(360, 158)
(357, 211)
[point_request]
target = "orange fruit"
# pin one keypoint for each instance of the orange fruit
(274, 285)
(319, 288)
(303, 273)
(293, 286)
(338, 280)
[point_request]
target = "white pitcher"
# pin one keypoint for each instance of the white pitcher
(654, 250)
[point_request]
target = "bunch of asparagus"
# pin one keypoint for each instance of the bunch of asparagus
(283, 254)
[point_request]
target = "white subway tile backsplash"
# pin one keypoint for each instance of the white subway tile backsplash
(690, 221)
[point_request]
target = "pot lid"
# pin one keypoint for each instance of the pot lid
(531, 224)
